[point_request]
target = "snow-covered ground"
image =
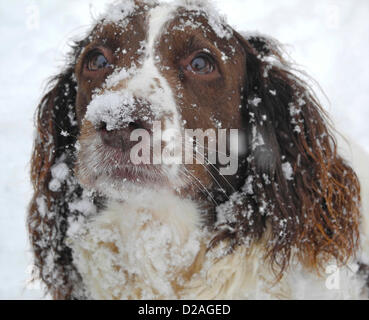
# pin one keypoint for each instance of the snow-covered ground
(328, 38)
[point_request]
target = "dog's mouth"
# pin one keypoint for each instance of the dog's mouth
(117, 164)
(130, 154)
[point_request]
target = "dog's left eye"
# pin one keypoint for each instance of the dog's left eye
(97, 61)
(202, 65)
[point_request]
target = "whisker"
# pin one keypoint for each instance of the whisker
(191, 181)
(205, 189)
(215, 168)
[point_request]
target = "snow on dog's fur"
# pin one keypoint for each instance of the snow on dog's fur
(104, 228)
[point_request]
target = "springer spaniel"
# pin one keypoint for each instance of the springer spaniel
(280, 218)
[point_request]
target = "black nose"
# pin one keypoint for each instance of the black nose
(120, 138)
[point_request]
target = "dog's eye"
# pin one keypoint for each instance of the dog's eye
(202, 65)
(96, 61)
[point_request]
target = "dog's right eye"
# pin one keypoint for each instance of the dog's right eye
(96, 61)
(202, 65)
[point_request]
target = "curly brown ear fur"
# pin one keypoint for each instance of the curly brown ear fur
(297, 186)
(49, 211)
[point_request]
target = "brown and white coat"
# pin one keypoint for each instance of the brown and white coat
(104, 228)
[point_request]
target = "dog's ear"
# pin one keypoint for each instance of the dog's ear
(51, 175)
(297, 186)
(56, 125)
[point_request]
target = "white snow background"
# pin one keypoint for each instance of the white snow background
(327, 38)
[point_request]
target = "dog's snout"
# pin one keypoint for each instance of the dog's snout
(121, 138)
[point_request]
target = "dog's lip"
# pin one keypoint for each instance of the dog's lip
(139, 174)
(120, 167)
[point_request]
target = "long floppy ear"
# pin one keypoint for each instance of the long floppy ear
(298, 190)
(54, 186)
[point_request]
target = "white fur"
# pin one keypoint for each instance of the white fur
(137, 249)
(142, 251)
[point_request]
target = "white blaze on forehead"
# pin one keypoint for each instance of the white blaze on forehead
(148, 82)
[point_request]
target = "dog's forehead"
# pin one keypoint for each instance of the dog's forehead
(151, 20)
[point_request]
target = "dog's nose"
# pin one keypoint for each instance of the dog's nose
(120, 138)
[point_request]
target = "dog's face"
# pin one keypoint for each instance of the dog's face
(173, 67)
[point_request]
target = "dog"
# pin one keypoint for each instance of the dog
(275, 213)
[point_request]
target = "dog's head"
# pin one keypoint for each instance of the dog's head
(149, 73)
(163, 69)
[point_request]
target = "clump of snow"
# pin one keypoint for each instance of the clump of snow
(225, 58)
(294, 110)
(301, 102)
(225, 211)
(297, 129)
(257, 138)
(114, 108)
(255, 101)
(59, 173)
(118, 11)
(118, 76)
(287, 170)
(42, 206)
(83, 205)
(204, 7)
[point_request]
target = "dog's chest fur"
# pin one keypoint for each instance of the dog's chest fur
(153, 247)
